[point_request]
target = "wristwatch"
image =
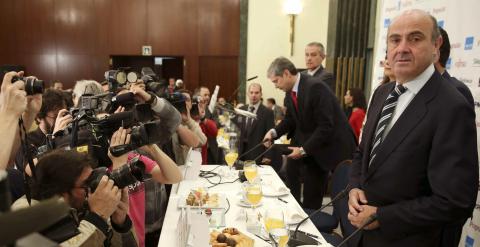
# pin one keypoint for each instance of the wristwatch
(302, 152)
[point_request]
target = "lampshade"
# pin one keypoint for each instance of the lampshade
(292, 7)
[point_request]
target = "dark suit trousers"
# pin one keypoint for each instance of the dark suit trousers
(314, 181)
(452, 233)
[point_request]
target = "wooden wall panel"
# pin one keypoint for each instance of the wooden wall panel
(74, 39)
(219, 26)
(222, 71)
(170, 32)
(8, 34)
(73, 22)
(35, 25)
(127, 26)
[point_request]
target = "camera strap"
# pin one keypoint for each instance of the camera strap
(28, 157)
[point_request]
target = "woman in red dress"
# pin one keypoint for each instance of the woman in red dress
(355, 100)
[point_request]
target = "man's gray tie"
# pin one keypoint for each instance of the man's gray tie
(385, 118)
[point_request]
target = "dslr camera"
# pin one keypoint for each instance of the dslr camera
(128, 174)
(32, 84)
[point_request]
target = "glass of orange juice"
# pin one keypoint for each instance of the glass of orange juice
(250, 170)
(275, 226)
(253, 193)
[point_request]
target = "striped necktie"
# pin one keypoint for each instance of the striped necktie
(385, 118)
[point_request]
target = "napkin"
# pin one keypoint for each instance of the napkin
(275, 188)
(294, 215)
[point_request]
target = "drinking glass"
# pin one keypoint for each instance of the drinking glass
(251, 170)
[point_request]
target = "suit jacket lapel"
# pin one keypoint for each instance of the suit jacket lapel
(255, 121)
(371, 124)
(410, 118)
(301, 94)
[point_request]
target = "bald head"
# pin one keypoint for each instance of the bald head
(412, 44)
(418, 13)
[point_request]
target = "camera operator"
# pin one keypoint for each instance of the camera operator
(165, 110)
(102, 214)
(84, 87)
(182, 142)
(162, 169)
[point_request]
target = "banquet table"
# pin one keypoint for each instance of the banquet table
(232, 191)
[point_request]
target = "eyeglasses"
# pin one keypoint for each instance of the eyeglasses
(85, 187)
(52, 116)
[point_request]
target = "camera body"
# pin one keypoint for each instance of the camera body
(32, 84)
(128, 174)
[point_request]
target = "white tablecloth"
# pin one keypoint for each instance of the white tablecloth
(168, 236)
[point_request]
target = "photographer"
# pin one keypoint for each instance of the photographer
(208, 126)
(183, 141)
(100, 216)
(161, 168)
(182, 132)
(14, 103)
(85, 87)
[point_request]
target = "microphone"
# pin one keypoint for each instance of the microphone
(252, 78)
(245, 113)
(294, 241)
(236, 90)
(251, 149)
(370, 220)
(213, 99)
(238, 112)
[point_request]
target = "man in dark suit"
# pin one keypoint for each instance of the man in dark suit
(277, 110)
(252, 130)
(451, 233)
(321, 135)
(314, 56)
(416, 168)
(440, 65)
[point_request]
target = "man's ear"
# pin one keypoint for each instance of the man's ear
(438, 42)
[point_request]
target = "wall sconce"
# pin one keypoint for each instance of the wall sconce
(292, 8)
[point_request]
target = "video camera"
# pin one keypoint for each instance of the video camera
(153, 83)
(120, 78)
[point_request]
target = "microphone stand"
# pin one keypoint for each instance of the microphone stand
(370, 220)
(304, 239)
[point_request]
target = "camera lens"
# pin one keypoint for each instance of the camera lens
(32, 85)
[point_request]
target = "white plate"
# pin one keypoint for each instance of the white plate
(242, 203)
(222, 202)
(268, 190)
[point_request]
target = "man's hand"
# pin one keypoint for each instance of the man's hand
(13, 100)
(63, 119)
(185, 116)
(140, 94)
(267, 140)
(119, 216)
(120, 137)
(34, 103)
(105, 199)
(363, 217)
(356, 197)
(295, 154)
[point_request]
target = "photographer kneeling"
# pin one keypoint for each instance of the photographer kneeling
(100, 215)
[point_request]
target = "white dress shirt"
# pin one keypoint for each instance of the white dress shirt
(312, 72)
(413, 87)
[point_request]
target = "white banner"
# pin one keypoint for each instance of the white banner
(460, 19)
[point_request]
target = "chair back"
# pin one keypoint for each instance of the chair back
(340, 180)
